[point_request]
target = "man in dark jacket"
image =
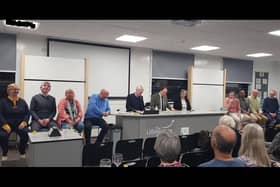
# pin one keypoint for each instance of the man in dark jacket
(134, 101)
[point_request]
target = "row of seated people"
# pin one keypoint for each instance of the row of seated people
(15, 114)
(250, 108)
(248, 145)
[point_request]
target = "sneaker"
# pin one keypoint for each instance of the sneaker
(4, 158)
(23, 156)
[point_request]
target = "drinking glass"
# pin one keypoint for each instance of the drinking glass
(117, 159)
(105, 162)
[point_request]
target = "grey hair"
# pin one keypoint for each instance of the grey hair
(227, 121)
(253, 146)
(167, 146)
(139, 87)
(45, 82)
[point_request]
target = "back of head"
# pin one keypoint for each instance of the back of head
(253, 146)
(168, 146)
(223, 139)
(227, 121)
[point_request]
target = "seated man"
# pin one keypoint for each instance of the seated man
(271, 107)
(245, 109)
(255, 108)
(222, 141)
(43, 109)
(160, 101)
(70, 112)
(98, 107)
(14, 116)
(134, 101)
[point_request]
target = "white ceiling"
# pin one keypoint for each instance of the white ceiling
(235, 37)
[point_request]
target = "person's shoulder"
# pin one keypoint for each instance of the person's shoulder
(207, 164)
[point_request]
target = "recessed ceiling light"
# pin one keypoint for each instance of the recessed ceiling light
(205, 48)
(276, 33)
(130, 38)
(257, 55)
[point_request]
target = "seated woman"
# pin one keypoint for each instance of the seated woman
(182, 102)
(70, 112)
(252, 150)
(14, 116)
(168, 148)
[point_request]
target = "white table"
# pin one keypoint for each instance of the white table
(136, 125)
(61, 151)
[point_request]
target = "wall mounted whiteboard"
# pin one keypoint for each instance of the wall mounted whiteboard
(207, 76)
(108, 66)
(207, 97)
(62, 73)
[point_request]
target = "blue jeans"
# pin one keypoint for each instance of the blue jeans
(79, 126)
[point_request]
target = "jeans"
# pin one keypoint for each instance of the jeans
(89, 122)
(79, 126)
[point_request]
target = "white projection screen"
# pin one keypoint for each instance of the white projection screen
(108, 66)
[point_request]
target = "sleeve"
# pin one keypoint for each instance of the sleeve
(153, 101)
(238, 106)
(33, 108)
(27, 113)
(61, 111)
(108, 106)
(176, 104)
(189, 105)
(80, 111)
(252, 109)
(2, 118)
(265, 108)
(142, 104)
(128, 104)
(53, 113)
(92, 105)
(226, 103)
(277, 106)
(168, 105)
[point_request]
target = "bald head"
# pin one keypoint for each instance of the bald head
(223, 139)
(104, 94)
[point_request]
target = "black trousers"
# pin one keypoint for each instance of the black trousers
(4, 139)
(89, 122)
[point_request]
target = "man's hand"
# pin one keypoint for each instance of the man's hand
(72, 123)
(42, 122)
(7, 128)
(273, 114)
(105, 114)
(22, 125)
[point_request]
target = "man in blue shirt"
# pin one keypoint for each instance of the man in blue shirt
(134, 101)
(98, 107)
(222, 141)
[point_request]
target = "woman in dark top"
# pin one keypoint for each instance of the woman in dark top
(182, 102)
(14, 116)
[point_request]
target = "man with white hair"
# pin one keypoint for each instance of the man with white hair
(134, 101)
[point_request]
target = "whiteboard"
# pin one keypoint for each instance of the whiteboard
(108, 67)
(207, 76)
(207, 97)
(50, 68)
(32, 88)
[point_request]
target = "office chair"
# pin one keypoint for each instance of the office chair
(153, 162)
(131, 149)
(188, 142)
(194, 158)
(92, 153)
(148, 150)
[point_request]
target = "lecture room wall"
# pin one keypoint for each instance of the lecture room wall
(140, 70)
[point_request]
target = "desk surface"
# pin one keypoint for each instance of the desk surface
(170, 113)
(39, 137)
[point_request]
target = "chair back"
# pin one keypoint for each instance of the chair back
(148, 150)
(130, 149)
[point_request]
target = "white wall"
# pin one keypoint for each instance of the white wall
(140, 71)
(273, 68)
(208, 62)
(29, 45)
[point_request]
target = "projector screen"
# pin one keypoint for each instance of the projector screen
(108, 67)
